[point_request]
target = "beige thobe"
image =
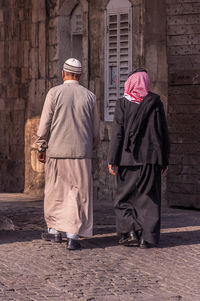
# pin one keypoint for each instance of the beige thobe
(68, 205)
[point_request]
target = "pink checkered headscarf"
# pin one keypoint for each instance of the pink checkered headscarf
(137, 87)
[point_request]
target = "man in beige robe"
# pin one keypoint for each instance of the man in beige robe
(68, 131)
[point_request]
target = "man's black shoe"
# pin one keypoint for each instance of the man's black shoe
(124, 237)
(133, 240)
(129, 239)
(144, 244)
(73, 244)
(52, 237)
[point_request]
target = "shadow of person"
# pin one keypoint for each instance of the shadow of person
(100, 241)
(179, 238)
(9, 236)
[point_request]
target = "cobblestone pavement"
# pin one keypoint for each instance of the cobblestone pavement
(31, 269)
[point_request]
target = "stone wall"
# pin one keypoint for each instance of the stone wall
(27, 69)
(14, 77)
(37, 87)
(183, 48)
(155, 57)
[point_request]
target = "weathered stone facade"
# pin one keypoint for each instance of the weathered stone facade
(36, 36)
(183, 53)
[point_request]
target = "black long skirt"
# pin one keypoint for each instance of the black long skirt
(138, 201)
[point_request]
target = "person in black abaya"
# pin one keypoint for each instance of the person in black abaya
(138, 155)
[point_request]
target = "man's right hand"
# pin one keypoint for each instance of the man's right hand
(42, 157)
(112, 169)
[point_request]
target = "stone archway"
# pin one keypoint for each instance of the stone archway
(70, 36)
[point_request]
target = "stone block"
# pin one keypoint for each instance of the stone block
(24, 75)
(24, 30)
(12, 91)
(182, 138)
(6, 223)
(187, 148)
(185, 159)
(2, 33)
(52, 82)
(196, 92)
(162, 65)
(183, 19)
(98, 87)
(18, 105)
(1, 54)
(34, 63)
(53, 69)
(2, 104)
(183, 200)
(105, 131)
(183, 9)
(1, 15)
(185, 77)
(23, 91)
(34, 177)
(52, 35)
(17, 127)
(184, 109)
(13, 54)
(3, 76)
(180, 90)
(180, 1)
(184, 99)
(152, 61)
(26, 50)
(183, 29)
(2, 91)
(11, 105)
(52, 23)
(27, 12)
(184, 63)
(36, 96)
(34, 35)
(38, 11)
(42, 50)
(53, 53)
(21, 14)
(184, 50)
(13, 32)
(92, 85)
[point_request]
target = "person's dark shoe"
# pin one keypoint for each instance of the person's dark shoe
(133, 240)
(57, 238)
(129, 239)
(144, 244)
(124, 237)
(73, 244)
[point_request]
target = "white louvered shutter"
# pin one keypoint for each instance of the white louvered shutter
(118, 56)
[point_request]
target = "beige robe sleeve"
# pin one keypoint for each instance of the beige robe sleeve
(45, 122)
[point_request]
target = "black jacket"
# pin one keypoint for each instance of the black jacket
(139, 133)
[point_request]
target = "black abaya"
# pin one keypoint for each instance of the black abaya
(138, 201)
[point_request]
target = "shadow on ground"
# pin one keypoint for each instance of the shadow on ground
(28, 220)
(168, 240)
(173, 239)
(7, 237)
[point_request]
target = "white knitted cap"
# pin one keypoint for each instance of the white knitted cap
(72, 65)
